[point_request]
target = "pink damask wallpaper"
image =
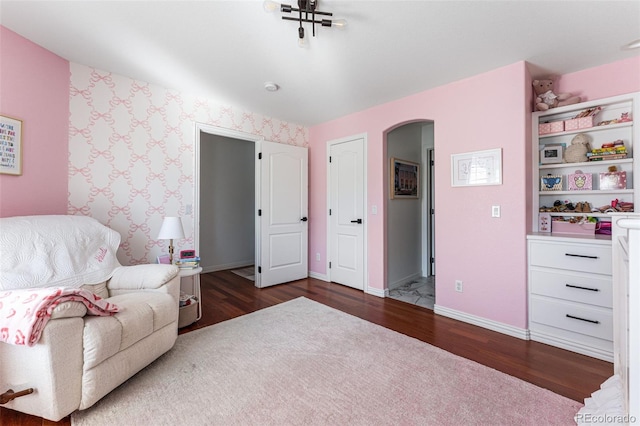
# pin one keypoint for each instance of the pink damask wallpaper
(131, 154)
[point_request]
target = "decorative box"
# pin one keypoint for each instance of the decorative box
(551, 183)
(603, 228)
(613, 180)
(544, 222)
(579, 123)
(564, 227)
(551, 127)
(579, 181)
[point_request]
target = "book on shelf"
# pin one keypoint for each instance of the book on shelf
(612, 150)
(607, 157)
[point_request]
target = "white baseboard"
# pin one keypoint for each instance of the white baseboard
(318, 276)
(550, 339)
(520, 333)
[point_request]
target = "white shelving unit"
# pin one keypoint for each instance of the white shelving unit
(570, 276)
(629, 132)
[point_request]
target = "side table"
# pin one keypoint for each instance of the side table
(186, 316)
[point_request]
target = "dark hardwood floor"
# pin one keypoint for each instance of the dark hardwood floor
(226, 295)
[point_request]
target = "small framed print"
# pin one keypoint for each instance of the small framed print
(551, 154)
(404, 179)
(10, 146)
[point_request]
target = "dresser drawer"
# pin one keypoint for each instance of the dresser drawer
(575, 317)
(584, 288)
(570, 256)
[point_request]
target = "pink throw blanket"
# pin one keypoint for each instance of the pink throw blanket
(24, 313)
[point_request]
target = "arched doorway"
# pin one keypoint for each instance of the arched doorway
(410, 238)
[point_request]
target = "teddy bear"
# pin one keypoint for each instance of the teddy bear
(577, 151)
(545, 98)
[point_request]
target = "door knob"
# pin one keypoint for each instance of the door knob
(357, 221)
(304, 219)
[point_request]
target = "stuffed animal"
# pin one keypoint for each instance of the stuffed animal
(545, 98)
(577, 151)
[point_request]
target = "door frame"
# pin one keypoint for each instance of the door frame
(365, 272)
(220, 131)
(428, 228)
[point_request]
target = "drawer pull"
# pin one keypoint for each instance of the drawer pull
(583, 319)
(582, 288)
(581, 255)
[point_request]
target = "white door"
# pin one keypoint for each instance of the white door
(346, 212)
(282, 202)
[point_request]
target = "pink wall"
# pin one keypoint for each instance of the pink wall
(488, 254)
(607, 80)
(34, 88)
(470, 245)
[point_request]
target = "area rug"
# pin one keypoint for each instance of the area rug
(248, 272)
(301, 362)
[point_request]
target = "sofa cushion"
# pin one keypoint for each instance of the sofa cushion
(141, 314)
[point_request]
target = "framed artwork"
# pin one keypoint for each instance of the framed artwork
(477, 168)
(10, 145)
(551, 154)
(404, 179)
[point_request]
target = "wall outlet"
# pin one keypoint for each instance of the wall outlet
(318, 257)
(459, 286)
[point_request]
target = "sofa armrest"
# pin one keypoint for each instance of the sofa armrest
(69, 309)
(141, 277)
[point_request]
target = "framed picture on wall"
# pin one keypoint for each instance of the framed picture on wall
(404, 179)
(477, 168)
(10, 145)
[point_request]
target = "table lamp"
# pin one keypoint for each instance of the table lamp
(171, 229)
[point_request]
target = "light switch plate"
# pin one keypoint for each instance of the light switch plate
(495, 211)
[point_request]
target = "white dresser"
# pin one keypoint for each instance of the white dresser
(570, 293)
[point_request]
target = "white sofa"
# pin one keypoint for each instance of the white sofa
(80, 358)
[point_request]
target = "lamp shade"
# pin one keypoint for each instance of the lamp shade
(171, 229)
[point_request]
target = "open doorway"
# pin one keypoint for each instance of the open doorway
(226, 204)
(251, 205)
(410, 223)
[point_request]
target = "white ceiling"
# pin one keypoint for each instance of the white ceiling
(226, 50)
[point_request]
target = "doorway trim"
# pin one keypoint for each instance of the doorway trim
(365, 267)
(218, 131)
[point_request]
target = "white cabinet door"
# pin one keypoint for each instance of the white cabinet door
(282, 253)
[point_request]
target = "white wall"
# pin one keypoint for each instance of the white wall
(227, 202)
(404, 228)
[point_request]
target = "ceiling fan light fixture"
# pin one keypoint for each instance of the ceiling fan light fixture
(307, 12)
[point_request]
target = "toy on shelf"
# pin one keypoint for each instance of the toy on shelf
(578, 150)
(624, 118)
(546, 98)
